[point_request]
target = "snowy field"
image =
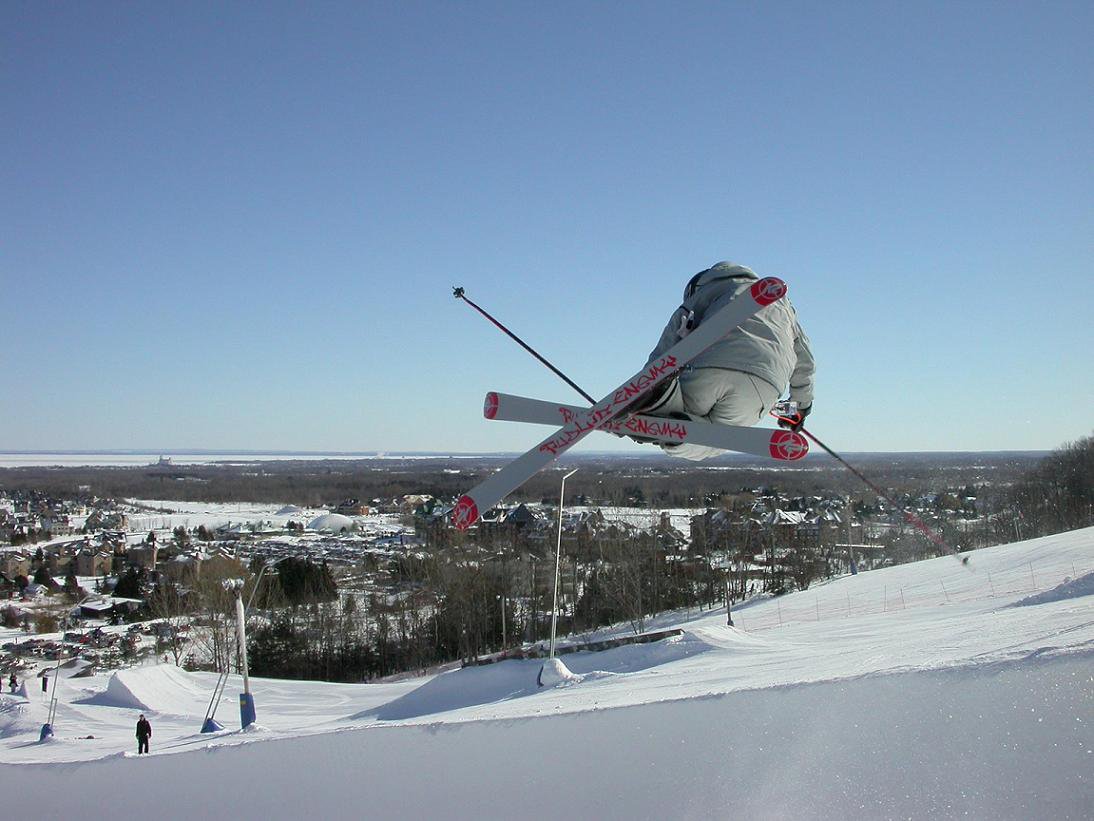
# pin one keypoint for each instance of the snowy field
(922, 691)
(242, 515)
(213, 514)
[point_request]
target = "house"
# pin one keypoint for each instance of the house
(412, 503)
(106, 607)
(94, 562)
(15, 563)
(58, 559)
(96, 609)
(521, 516)
(56, 524)
(184, 567)
(351, 507)
(144, 555)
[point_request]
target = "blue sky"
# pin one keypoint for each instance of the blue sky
(237, 225)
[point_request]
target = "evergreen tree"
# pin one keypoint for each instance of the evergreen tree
(131, 584)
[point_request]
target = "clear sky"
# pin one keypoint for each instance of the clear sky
(237, 225)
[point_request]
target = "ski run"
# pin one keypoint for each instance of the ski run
(926, 690)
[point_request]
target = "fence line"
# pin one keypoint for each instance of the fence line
(925, 593)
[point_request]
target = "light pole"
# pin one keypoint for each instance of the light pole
(554, 672)
(558, 560)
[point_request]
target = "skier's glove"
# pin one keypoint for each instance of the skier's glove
(795, 421)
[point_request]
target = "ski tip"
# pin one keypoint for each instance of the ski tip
(490, 406)
(465, 513)
(768, 290)
(787, 446)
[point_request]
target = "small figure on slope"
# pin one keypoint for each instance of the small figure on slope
(144, 732)
(739, 379)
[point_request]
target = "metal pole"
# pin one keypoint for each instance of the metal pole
(458, 292)
(51, 711)
(241, 631)
(558, 559)
(246, 700)
(909, 517)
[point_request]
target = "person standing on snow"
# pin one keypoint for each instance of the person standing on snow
(144, 732)
(738, 379)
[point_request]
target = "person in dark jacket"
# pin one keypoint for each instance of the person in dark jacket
(13, 683)
(144, 732)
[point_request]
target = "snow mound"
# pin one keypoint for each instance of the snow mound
(512, 679)
(1068, 589)
(555, 674)
(164, 689)
(289, 510)
(19, 718)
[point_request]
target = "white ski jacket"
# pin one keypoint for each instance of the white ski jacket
(770, 345)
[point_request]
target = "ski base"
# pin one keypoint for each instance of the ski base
(780, 444)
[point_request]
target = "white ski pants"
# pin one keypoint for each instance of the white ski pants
(716, 395)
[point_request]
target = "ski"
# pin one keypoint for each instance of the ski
(494, 488)
(779, 444)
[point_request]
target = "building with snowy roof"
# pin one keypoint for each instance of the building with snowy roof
(332, 523)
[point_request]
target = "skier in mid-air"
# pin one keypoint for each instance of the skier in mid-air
(738, 380)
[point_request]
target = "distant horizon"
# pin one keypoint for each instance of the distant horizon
(157, 452)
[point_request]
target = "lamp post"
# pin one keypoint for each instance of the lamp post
(554, 672)
(558, 560)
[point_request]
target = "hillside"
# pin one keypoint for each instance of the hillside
(928, 689)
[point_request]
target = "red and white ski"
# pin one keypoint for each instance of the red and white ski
(777, 444)
(496, 487)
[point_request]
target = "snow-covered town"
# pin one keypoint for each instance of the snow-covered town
(973, 679)
(79, 567)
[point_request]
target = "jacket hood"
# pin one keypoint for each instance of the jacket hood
(718, 271)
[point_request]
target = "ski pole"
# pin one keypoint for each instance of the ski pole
(458, 292)
(909, 517)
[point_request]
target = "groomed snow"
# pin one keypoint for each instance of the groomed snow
(916, 691)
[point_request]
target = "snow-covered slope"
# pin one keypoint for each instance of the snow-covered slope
(926, 690)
